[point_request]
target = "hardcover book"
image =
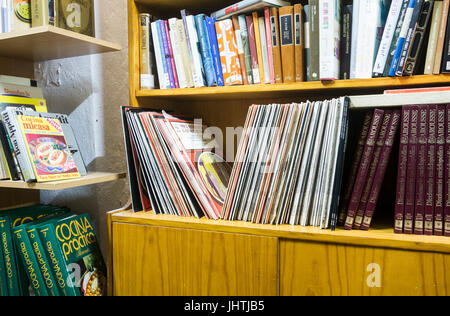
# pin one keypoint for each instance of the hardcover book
(346, 41)
(330, 36)
(314, 40)
(441, 37)
(76, 16)
(433, 38)
(240, 46)
(212, 35)
(175, 41)
(440, 172)
(264, 49)
(147, 78)
(259, 51)
(253, 51)
(208, 62)
(287, 43)
(299, 42)
(163, 75)
(269, 39)
(430, 170)
(246, 46)
(275, 27)
(447, 174)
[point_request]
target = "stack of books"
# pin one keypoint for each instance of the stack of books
(34, 145)
(49, 251)
(271, 41)
(73, 15)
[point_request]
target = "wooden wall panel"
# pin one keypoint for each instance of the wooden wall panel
(327, 269)
(15, 67)
(159, 261)
(10, 198)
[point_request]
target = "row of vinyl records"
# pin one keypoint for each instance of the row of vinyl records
(73, 15)
(294, 166)
(34, 145)
(323, 40)
(49, 251)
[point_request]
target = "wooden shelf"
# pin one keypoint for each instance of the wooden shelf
(377, 237)
(91, 178)
(49, 42)
(305, 88)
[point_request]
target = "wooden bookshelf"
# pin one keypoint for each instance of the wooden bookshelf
(237, 258)
(49, 42)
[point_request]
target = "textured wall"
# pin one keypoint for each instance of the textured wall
(91, 90)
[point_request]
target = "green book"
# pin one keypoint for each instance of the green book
(3, 272)
(75, 249)
(9, 257)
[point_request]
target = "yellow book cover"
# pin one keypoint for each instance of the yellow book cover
(258, 46)
(40, 105)
(47, 148)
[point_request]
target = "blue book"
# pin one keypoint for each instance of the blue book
(402, 38)
(166, 52)
(208, 62)
(163, 54)
(212, 36)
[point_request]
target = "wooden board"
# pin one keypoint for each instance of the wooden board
(156, 261)
(48, 42)
(174, 6)
(12, 198)
(315, 269)
(91, 178)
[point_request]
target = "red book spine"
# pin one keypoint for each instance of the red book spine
(402, 171)
(364, 168)
(422, 142)
(440, 164)
(430, 175)
(253, 52)
(372, 170)
(381, 170)
(447, 173)
(410, 197)
(355, 167)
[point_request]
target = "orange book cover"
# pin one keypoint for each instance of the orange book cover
(287, 43)
(229, 54)
(276, 47)
(258, 46)
(299, 43)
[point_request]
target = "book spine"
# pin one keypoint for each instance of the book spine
(264, 49)
(314, 40)
(197, 65)
(147, 81)
(441, 37)
(29, 262)
(253, 52)
(422, 140)
(177, 54)
(41, 259)
(299, 43)
(39, 13)
(346, 41)
(402, 171)
(287, 43)
(387, 38)
(211, 29)
(9, 257)
(162, 75)
(409, 38)
(9, 154)
(246, 45)
(3, 276)
(445, 68)
(267, 24)
(275, 27)
(258, 46)
(373, 169)
(418, 38)
(364, 168)
(12, 127)
(329, 17)
(206, 52)
(402, 38)
(57, 262)
(410, 196)
(430, 171)
(381, 170)
(447, 174)
(185, 53)
(440, 173)
(355, 167)
(167, 69)
(171, 54)
(396, 38)
(433, 39)
(228, 53)
(307, 52)
(240, 46)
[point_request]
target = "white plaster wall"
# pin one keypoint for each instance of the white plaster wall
(90, 90)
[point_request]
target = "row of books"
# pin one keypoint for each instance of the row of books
(34, 145)
(49, 251)
(73, 15)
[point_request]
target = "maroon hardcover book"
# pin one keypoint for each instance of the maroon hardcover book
(422, 141)
(381, 170)
(410, 196)
(372, 169)
(447, 174)
(430, 176)
(440, 173)
(355, 167)
(402, 171)
(364, 168)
